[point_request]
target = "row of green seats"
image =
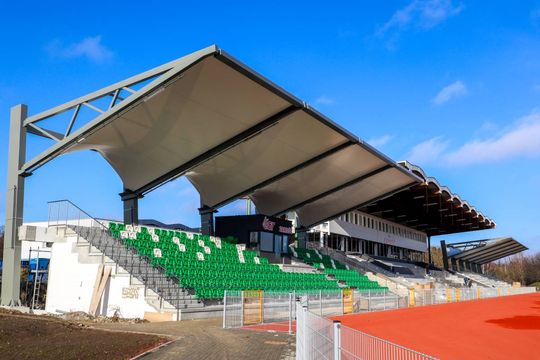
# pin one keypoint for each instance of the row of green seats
(210, 274)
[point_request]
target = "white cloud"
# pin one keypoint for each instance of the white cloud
(519, 140)
(380, 141)
(90, 48)
(422, 14)
(325, 100)
(454, 90)
(428, 151)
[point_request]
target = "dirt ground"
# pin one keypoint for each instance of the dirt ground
(25, 336)
(205, 339)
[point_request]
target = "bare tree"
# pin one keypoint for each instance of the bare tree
(1, 242)
(520, 268)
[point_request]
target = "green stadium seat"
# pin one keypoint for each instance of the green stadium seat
(210, 266)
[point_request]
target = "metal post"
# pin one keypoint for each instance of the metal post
(242, 308)
(320, 301)
(306, 338)
(131, 206)
(342, 303)
(444, 255)
(337, 340)
(11, 276)
(429, 252)
(224, 309)
(290, 312)
(207, 219)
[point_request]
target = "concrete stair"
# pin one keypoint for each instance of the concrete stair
(163, 293)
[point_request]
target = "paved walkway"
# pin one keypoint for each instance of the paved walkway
(205, 339)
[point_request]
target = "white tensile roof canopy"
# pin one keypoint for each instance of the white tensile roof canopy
(232, 133)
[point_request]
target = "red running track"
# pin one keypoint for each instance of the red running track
(498, 328)
(272, 327)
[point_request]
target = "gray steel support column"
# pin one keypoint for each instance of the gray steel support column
(207, 219)
(429, 249)
(444, 255)
(302, 236)
(131, 207)
(11, 272)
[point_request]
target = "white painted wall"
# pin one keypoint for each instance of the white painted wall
(344, 228)
(71, 285)
(34, 245)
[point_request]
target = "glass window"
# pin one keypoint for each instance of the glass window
(285, 244)
(253, 238)
(266, 240)
(277, 244)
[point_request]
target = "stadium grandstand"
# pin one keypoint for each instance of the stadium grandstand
(337, 222)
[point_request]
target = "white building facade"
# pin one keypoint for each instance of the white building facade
(361, 233)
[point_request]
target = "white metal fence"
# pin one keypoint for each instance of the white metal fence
(378, 301)
(422, 297)
(318, 338)
(315, 335)
(242, 308)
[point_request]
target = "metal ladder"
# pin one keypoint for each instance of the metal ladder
(37, 288)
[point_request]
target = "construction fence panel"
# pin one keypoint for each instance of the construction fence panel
(330, 303)
(468, 294)
(348, 301)
(314, 337)
(489, 292)
(232, 309)
(278, 307)
(318, 338)
(356, 345)
(377, 301)
(255, 307)
(252, 307)
(423, 297)
(522, 290)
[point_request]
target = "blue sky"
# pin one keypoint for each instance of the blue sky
(453, 86)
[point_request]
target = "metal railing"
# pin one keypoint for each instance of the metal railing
(315, 336)
(70, 220)
(64, 213)
(422, 297)
(378, 301)
(242, 308)
(318, 338)
(356, 345)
